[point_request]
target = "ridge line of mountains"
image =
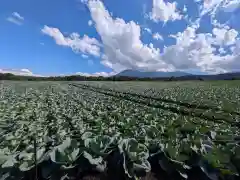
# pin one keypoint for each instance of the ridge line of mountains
(177, 75)
(145, 74)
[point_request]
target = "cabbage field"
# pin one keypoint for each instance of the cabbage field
(120, 130)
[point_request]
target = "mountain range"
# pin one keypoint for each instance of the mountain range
(144, 74)
(178, 75)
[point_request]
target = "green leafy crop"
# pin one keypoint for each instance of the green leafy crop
(125, 129)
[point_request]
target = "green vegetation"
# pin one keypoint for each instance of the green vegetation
(123, 130)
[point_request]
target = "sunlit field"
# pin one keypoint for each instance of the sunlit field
(122, 129)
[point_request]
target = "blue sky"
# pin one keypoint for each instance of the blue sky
(93, 37)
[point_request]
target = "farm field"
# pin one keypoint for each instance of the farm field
(123, 130)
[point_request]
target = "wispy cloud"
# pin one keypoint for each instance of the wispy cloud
(213, 6)
(20, 72)
(84, 56)
(85, 44)
(148, 30)
(16, 18)
(157, 36)
(104, 74)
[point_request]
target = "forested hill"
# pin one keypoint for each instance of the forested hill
(226, 76)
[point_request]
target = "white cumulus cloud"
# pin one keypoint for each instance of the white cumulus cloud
(196, 51)
(164, 11)
(78, 44)
(231, 6)
(191, 51)
(224, 36)
(123, 48)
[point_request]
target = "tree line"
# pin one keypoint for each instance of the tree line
(9, 76)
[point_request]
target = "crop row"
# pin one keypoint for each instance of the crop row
(210, 114)
(207, 95)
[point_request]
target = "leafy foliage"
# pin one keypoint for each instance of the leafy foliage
(60, 130)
